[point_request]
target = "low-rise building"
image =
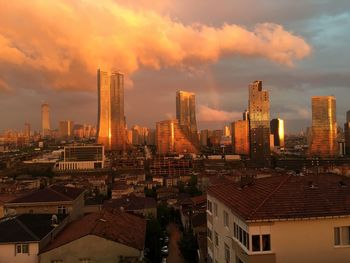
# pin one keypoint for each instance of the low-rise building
(99, 237)
(119, 190)
(22, 237)
(280, 219)
(50, 200)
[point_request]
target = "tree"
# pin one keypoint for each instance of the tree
(188, 246)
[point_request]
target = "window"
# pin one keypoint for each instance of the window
(227, 253)
(61, 210)
(266, 244)
(215, 209)
(226, 219)
(261, 243)
(210, 208)
(22, 248)
(241, 235)
(85, 260)
(210, 234)
(342, 236)
(256, 242)
(216, 239)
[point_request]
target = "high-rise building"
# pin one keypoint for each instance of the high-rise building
(171, 137)
(204, 137)
(348, 116)
(277, 131)
(324, 127)
(45, 119)
(186, 110)
(65, 129)
(111, 119)
(27, 130)
(240, 137)
(245, 115)
(259, 124)
(227, 131)
(347, 137)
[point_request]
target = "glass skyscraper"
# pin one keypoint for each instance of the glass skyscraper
(186, 109)
(45, 119)
(324, 127)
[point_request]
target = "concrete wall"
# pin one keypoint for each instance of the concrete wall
(93, 247)
(8, 254)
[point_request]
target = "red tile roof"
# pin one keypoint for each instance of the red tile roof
(120, 227)
(53, 193)
(287, 197)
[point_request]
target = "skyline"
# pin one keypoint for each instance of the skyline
(219, 80)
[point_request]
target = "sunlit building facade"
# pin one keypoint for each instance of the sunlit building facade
(45, 119)
(66, 129)
(111, 119)
(240, 137)
(186, 109)
(277, 131)
(27, 130)
(171, 137)
(324, 127)
(259, 123)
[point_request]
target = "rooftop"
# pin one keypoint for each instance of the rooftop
(53, 193)
(26, 227)
(287, 197)
(131, 203)
(120, 227)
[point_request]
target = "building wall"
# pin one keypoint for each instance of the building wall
(301, 241)
(240, 137)
(8, 254)
(95, 248)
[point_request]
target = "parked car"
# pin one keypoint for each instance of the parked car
(164, 250)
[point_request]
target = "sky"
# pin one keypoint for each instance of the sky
(50, 51)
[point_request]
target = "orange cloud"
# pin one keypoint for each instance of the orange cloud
(207, 114)
(64, 40)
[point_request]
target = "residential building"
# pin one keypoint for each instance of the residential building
(66, 129)
(50, 200)
(259, 124)
(99, 237)
(24, 236)
(324, 127)
(282, 218)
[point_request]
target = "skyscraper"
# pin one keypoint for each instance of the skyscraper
(27, 130)
(171, 137)
(348, 116)
(324, 127)
(45, 119)
(259, 124)
(277, 130)
(186, 109)
(65, 129)
(111, 119)
(347, 137)
(245, 115)
(240, 137)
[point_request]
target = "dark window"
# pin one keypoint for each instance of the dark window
(256, 242)
(266, 244)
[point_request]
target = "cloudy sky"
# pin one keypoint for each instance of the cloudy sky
(50, 51)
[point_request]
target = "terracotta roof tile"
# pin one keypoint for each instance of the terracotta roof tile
(286, 197)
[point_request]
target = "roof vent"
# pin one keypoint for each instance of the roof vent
(342, 184)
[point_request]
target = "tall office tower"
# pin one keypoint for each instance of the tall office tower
(246, 115)
(186, 109)
(227, 131)
(45, 119)
(65, 129)
(27, 130)
(240, 137)
(259, 124)
(347, 137)
(111, 119)
(203, 137)
(277, 131)
(348, 116)
(324, 127)
(171, 137)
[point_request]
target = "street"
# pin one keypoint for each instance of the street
(174, 236)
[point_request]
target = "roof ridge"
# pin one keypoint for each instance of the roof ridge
(27, 229)
(61, 194)
(269, 196)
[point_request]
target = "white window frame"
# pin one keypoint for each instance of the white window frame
(340, 230)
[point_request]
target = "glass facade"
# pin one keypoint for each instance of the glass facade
(83, 153)
(259, 123)
(186, 109)
(324, 127)
(240, 137)
(277, 130)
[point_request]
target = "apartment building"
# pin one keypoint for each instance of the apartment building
(284, 219)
